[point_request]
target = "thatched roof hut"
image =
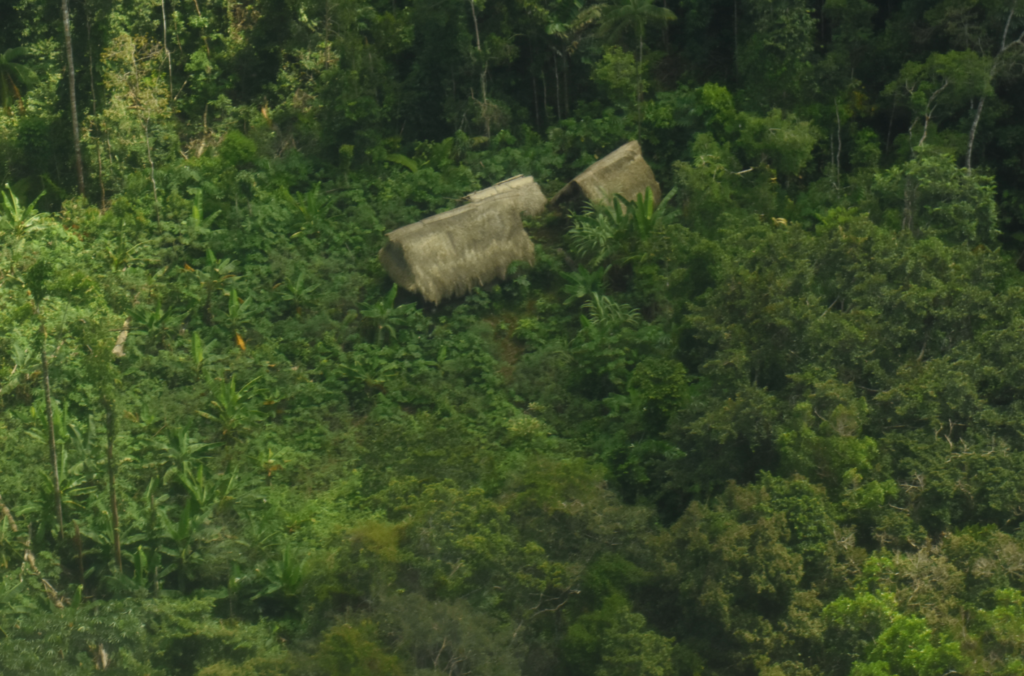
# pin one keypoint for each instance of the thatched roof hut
(527, 194)
(623, 172)
(450, 253)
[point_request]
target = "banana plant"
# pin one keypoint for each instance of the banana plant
(241, 313)
(236, 581)
(298, 292)
(16, 220)
(594, 232)
(311, 209)
(16, 223)
(121, 254)
(614, 231)
(78, 475)
(182, 542)
(97, 530)
(182, 538)
(154, 501)
(386, 318)
(644, 212)
(603, 310)
(10, 548)
(146, 568)
(16, 596)
(198, 225)
(181, 452)
(271, 461)
(367, 366)
(284, 574)
(202, 353)
(207, 493)
(83, 476)
(26, 363)
(235, 409)
(645, 216)
(582, 283)
(155, 321)
(214, 277)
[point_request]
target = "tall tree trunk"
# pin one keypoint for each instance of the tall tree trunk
(566, 88)
(111, 476)
(974, 131)
(544, 91)
(49, 420)
(152, 526)
(152, 169)
(909, 198)
(200, 15)
(736, 36)
(839, 139)
(1003, 46)
(484, 106)
(666, 45)
(558, 90)
(981, 101)
(929, 111)
(74, 108)
(639, 81)
(81, 556)
(892, 116)
(536, 107)
(167, 52)
(95, 111)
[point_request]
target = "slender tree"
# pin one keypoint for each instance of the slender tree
(74, 104)
(58, 502)
(104, 373)
(484, 105)
(634, 16)
(36, 280)
(1013, 46)
(95, 112)
(568, 34)
(167, 52)
(111, 420)
(994, 31)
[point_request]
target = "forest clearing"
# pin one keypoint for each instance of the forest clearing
(499, 337)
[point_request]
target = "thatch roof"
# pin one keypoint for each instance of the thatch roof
(450, 253)
(623, 172)
(523, 189)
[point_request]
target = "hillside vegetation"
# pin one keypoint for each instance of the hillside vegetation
(772, 426)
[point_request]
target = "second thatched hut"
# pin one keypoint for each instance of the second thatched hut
(622, 172)
(449, 254)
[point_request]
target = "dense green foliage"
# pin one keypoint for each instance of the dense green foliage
(769, 426)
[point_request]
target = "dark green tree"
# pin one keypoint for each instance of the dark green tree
(633, 17)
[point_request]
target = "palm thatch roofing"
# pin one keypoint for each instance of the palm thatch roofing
(527, 194)
(622, 172)
(450, 253)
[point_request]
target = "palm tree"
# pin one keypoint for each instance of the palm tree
(569, 34)
(633, 16)
(13, 73)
